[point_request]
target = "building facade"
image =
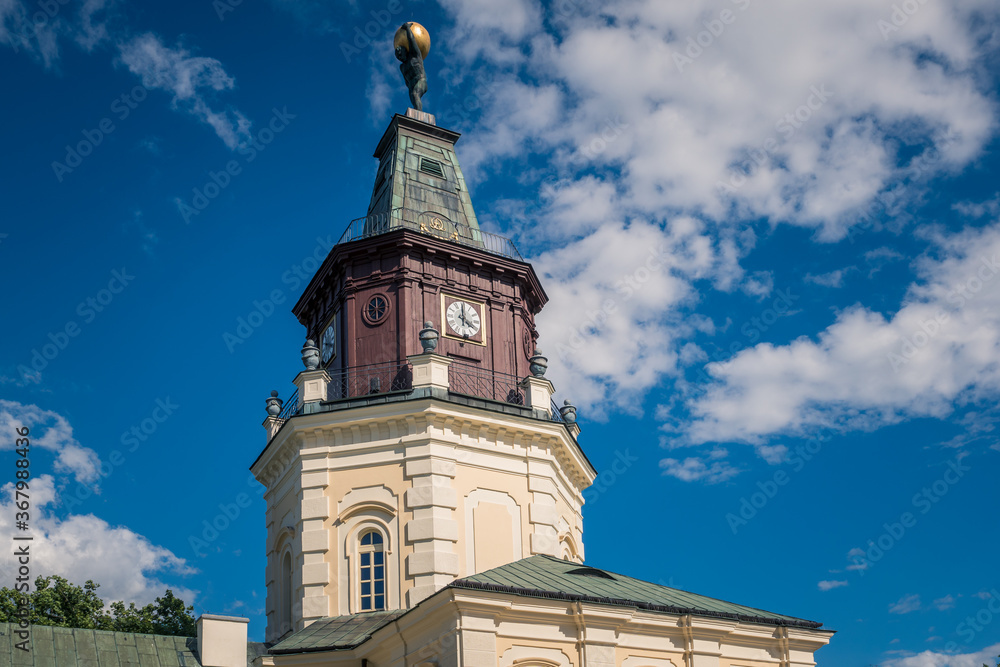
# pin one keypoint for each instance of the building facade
(424, 492)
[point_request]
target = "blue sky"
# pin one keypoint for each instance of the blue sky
(769, 235)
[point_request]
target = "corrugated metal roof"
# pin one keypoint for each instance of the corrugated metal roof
(548, 577)
(74, 647)
(337, 632)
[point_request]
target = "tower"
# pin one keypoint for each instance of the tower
(422, 444)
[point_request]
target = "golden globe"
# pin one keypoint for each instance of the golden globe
(420, 34)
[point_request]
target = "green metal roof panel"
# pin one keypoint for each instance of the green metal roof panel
(76, 647)
(337, 632)
(548, 577)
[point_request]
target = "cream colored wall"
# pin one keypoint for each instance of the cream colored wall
(423, 472)
(480, 629)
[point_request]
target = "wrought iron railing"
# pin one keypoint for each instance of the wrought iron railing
(367, 380)
(556, 413)
(432, 225)
(472, 380)
(290, 407)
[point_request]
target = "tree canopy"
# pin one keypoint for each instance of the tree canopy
(55, 601)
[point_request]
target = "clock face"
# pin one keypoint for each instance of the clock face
(463, 318)
(329, 342)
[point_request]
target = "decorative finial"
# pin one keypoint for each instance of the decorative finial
(274, 404)
(538, 364)
(310, 355)
(429, 337)
(412, 43)
(568, 412)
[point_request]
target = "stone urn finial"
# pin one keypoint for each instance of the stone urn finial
(568, 412)
(429, 337)
(274, 404)
(310, 355)
(538, 364)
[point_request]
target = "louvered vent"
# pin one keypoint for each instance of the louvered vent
(432, 167)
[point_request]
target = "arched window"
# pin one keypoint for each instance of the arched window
(285, 604)
(371, 562)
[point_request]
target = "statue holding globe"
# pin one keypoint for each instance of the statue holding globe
(413, 43)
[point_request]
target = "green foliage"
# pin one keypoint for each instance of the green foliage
(56, 601)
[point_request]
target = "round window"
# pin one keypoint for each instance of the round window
(376, 309)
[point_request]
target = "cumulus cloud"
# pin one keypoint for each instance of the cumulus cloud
(830, 585)
(79, 547)
(711, 469)
(933, 659)
(49, 431)
(609, 323)
(945, 603)
(799, 127)
(905, 605)
(189, 79)
(866, 369)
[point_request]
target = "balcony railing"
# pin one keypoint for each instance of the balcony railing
(425, 223)
(290, 407)
(367, 380)
(472, 380)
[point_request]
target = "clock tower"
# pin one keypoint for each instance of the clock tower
(422, 444)
(420, 255)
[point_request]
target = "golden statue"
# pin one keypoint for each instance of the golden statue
(412, 44)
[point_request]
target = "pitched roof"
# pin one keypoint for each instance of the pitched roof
(548, 577)
(540, 577)
(337, 632)
(75, 647)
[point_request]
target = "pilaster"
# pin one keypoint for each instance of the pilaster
(433, 530)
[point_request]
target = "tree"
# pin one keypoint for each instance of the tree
(55, 601)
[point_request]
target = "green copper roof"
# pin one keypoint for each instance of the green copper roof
(337, 632)
(73, 647)
(548, 577)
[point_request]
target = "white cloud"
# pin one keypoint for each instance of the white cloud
(188, 79)
(38, 29)
(865, 369)
(689, 130)
(987, 656)
(830, 585)
(49, 431)
(630, 141)
(79, 547)
(607, 329)
(711, 469)
(945, 603)
(979, 209)
(905, 605)
(831, 279)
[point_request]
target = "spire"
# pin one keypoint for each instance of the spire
(419, 180)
